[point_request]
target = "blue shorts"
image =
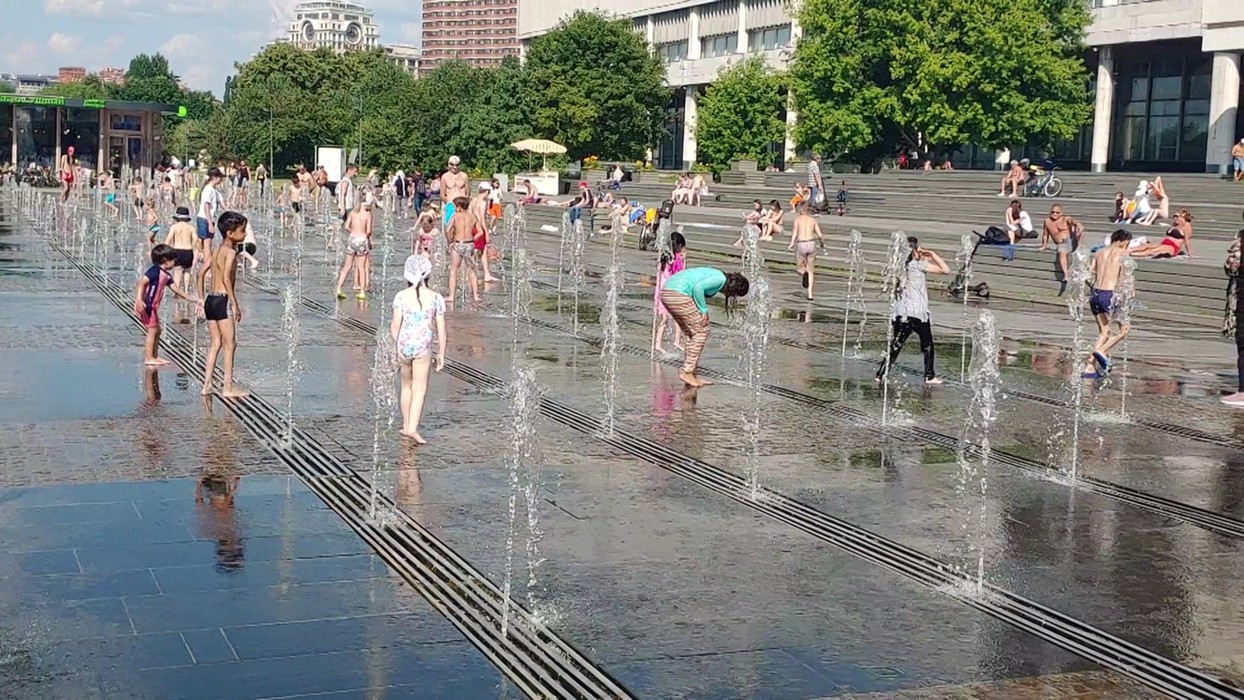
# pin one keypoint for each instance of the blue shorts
(1239, 164)
(202, 230)
(1102, 301)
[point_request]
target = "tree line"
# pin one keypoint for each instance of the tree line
(867, 78)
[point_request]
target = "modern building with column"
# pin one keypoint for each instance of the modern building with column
(35, 130)
(1165, 74)
(695, 38)
(1166, 81)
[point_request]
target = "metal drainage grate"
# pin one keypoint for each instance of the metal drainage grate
(532, 657)
(1126, 658)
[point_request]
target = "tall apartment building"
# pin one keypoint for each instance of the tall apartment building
(480, 32)
(70, 74)
(112, 76)
(340, 26)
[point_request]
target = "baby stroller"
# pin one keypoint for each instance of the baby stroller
(652, 220)
(959, 287)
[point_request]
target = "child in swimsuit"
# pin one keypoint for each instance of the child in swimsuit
(358, 246)
(671, 264)
(153, 222)
(416, 311)
(147, 297)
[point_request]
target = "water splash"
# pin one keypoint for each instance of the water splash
(611, 328)
(964, 259)
(523, 463)
(856, 271)
(1065, 443)
(894, 277)
(1125, 294)
(974, 449)
(756, 334)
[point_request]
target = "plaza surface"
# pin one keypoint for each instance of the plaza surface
(631, 550)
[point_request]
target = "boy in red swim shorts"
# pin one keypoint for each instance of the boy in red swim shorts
(147, 297)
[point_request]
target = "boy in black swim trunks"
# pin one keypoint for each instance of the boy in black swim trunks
(181, 239)
(1107, 268)
(223, 264)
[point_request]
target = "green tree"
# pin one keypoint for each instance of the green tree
(6, 86)
(739, 115)
(89, 88)
(473, 113)
(595, 88)
(872, 76)
(149, 79)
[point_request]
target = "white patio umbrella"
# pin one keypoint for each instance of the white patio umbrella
(542, 147)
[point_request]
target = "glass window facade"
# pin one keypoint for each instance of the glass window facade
(1162, 111)
(80, 129)
(36, 136)
(672, 51)
(668, 153)
(768, 38)
(6, 135)
(719, 45)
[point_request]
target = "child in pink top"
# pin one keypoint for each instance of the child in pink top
(671, 264)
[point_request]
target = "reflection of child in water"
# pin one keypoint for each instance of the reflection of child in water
(218, 520)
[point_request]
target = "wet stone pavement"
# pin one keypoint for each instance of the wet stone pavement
(120, 583)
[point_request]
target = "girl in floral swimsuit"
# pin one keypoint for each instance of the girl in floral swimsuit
(416, 310)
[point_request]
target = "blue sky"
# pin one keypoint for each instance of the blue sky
(201, 38)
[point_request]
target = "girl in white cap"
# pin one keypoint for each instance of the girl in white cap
(415, 310)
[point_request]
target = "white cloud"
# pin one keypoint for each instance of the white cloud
(87, 8)
(180, 45)
(63, 43)
(22, 55)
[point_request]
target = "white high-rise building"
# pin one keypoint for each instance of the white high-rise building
(339, 26)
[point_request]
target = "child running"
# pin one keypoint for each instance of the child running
(685, 296)
(223, 263)
(805, 237)
(672, 263)
(181, 239)
(358, 247)
(416, 310)
(153, 222)
(147, 297)
(1107, 267)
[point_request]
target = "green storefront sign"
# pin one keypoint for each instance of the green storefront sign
(32, 100)
(41, 101)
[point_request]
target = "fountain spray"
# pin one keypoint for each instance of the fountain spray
(894, 277)
(985, 380)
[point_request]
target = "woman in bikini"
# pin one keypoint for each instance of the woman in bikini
(1177, 239)
(772, 224)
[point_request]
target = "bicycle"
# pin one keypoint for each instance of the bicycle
(1044, 184)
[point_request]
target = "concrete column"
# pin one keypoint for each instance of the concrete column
(1103, 113)
(651, 29)
(1224, 103)
(796, 30)
(742, 47)
(691, 108)
(693, 34)
(60, 128)
(12, 133)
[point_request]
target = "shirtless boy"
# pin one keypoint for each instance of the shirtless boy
(1065, 232)
(358, 248)
(136, 194)
(479, 209)
(147, 297)
(223, 263)
(181, 239)
(460, 235)
(1107, 266)
(805, 237)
